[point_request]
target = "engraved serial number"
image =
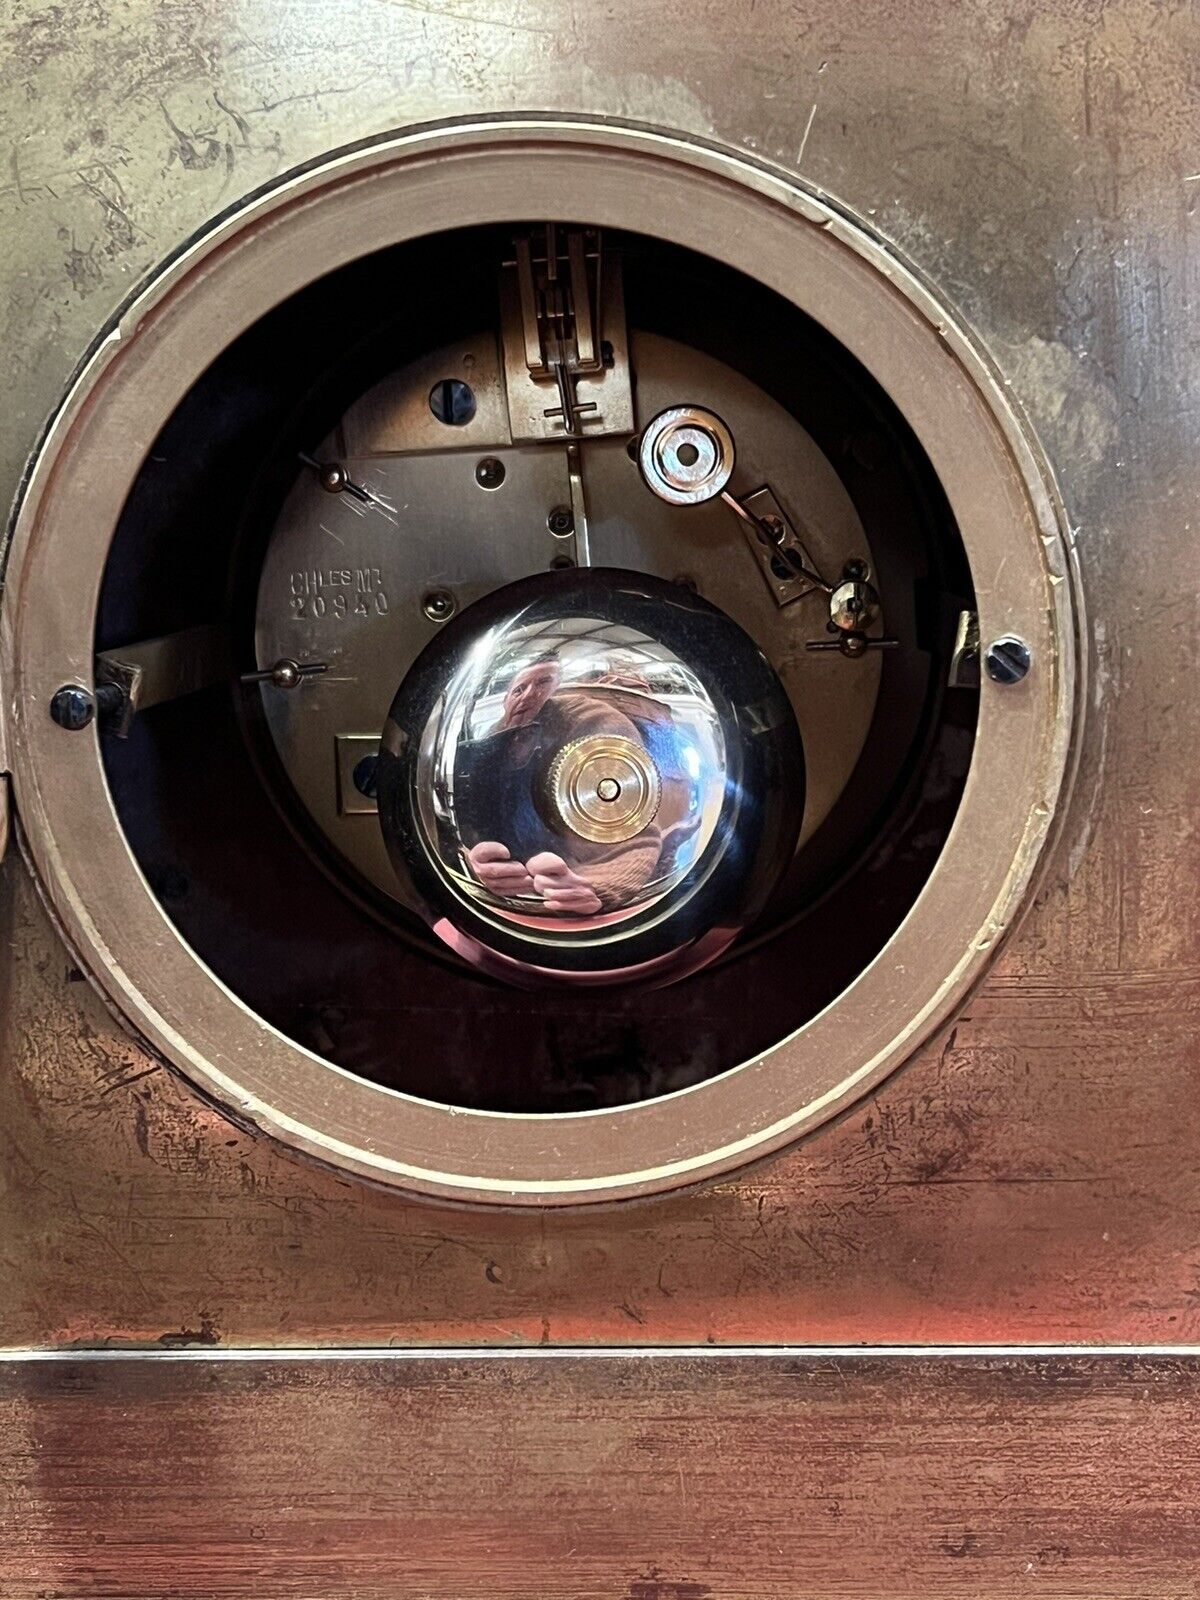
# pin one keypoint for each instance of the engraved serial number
(338, 592)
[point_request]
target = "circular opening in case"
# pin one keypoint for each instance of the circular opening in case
(239, 799)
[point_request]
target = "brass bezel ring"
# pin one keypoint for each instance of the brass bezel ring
(760, 220)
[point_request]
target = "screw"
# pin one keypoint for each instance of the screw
(489, 474)
(333, 478)
(365, 777)
(561, 522)
(1007, 660)
(438, 605)
(452, 401)
(286, 673)
(72, 707)
(110, 701)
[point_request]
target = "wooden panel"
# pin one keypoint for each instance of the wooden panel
(670, 1478)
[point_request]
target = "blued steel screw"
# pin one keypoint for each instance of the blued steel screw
(561, 522)
(366, 775)
(1007, 660)
(72, 707)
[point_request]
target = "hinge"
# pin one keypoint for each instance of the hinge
(964, 658)
(5, 782)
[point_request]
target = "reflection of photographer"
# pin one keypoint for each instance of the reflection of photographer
(500, 779)
(546, 875)
(528, 693)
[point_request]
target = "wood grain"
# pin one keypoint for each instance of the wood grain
(673, 1478)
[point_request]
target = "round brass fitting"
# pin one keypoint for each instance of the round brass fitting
(605, 788)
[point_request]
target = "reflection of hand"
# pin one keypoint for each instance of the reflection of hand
(560, 888)
(497, 871)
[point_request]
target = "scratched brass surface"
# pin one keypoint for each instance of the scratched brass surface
(1034, 1176)
(662, 1479)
